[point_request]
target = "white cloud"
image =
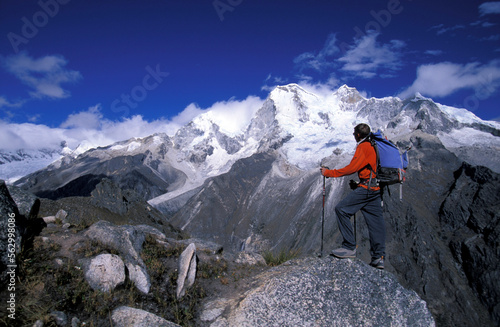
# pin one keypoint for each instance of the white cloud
(86, 126)
(489, 8)
(90, 119)
(320, 61)
(493, 38)
(368, 58)
(488, 24)
(231, 116)
(271, 82)
(434, 52)
(29, 136)
(6, 103)
(325, 89)
(44, 75)
(90, 127)
(443, 79)
(441, 29)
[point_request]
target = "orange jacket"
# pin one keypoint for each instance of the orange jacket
(364, 158)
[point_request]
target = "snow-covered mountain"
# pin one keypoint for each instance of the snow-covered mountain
(304, 126)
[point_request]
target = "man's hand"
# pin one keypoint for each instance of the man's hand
(323, 170)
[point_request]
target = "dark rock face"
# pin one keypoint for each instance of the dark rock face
(110, 203)
(109, 196)
(222, 203)
(80, 177)
(81, 186)
(421, 234)
(27, 203)
(471, 214)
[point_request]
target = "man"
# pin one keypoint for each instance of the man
(365, 197)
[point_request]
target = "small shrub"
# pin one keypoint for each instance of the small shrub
(276, 259)
(154, 254)
(214, 268)
(93, 248)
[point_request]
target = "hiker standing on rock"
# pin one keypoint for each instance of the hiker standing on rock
(365, 197)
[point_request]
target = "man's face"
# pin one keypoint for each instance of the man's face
(356, 136)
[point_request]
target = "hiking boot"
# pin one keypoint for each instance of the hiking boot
(378, 263)
(344, 253)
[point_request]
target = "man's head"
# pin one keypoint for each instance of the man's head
(361, 131)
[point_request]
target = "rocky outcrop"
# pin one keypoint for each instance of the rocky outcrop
(127, 240)
(131, 317)
(16, 231)
(303, 292)
(27, 203)
(10, 232)
(419, 236)
(321, 292)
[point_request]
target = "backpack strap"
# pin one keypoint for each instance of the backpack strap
(377, 156)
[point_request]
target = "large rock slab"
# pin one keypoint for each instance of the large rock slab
(324, 292)
(125, 239)
(105, 272)
(130, 317)
(187, 270)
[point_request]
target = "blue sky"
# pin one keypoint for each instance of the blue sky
(106, 70)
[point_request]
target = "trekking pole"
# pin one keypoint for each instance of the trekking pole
(323, 213)
(355, 233)
(354, 185)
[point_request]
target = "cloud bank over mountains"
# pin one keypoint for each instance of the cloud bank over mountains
(91, 127)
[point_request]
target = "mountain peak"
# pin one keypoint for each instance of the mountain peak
(348, 94)
(292, 87)
(419, 97)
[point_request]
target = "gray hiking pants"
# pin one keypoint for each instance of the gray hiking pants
(369, 202)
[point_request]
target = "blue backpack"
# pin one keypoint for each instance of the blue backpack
(391, 163)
